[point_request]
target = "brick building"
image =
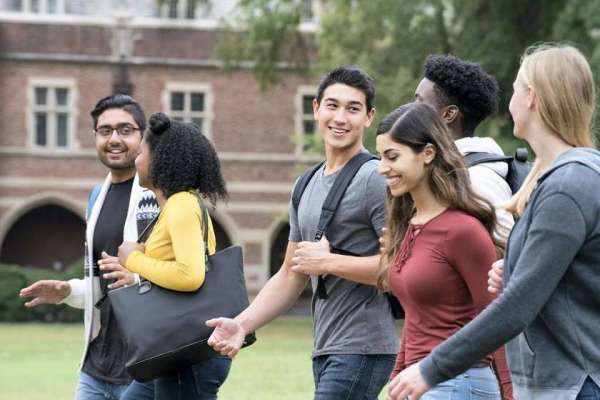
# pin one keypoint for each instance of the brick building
(58, 57)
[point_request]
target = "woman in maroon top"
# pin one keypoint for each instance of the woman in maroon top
(440, 244)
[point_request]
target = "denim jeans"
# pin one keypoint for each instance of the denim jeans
(351, 376)
(474, 384)
(589, 391)
(201, 381)
(90, 388)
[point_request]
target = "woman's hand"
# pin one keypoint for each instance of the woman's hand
(114, 270)
(408, 384)
(126, 248)
(495, 277)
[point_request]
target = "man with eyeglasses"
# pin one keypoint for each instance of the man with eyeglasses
(118, 210)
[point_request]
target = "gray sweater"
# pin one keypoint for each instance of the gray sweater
(550, 306)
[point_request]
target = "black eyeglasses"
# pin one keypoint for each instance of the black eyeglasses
(124, 130)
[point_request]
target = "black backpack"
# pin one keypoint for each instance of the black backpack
(518, 166)
(330, 205)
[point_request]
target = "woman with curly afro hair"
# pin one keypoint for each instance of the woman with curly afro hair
(180, 165)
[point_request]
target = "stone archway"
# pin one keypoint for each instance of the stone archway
(46, 236)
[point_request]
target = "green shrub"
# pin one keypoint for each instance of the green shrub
(13, 278)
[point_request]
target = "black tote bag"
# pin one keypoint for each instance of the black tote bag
(164, 329)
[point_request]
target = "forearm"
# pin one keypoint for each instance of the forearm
(184, 277)
(356, 269)
(275, 298)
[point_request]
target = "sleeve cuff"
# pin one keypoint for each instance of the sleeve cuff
(430, 372)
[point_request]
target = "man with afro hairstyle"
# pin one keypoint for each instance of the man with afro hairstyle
(464, 95)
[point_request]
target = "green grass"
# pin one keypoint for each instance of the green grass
(40, 361)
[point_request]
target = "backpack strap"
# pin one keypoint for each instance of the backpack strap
(332, 201)
(303, 183)
(477, 158)
(93, 196)
(337, 191)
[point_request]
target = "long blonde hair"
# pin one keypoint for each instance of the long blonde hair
(562, 80)
(416, 125)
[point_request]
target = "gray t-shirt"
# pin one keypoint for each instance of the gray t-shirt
(355, 319)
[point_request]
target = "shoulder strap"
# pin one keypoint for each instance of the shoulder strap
(205, 217)
(342, 181)
(332, 201)
(93, 196)
(303, 182)
(477, 158)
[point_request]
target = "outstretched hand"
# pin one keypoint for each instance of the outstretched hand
(45, 292)
(228, 336)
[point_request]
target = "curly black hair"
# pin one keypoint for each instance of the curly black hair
(464, 84)
(182, 158)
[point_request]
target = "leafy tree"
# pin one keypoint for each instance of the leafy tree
(391, 38)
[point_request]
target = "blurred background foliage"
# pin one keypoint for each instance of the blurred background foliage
(391, 38)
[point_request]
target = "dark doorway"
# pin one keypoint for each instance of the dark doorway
(49, 236)
(278, 248)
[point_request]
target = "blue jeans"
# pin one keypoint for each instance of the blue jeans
(90, 388)
(474, 384)
(201, 381)
(351, 376)
(589, 391)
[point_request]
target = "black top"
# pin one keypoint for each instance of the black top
(106, 355)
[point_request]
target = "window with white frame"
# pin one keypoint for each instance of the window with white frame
(308, 14)
(180, 9)
(51, 115)
(189, 103)
(43, 6)
(305, 120)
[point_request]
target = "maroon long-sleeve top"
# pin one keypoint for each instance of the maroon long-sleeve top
(440, 277)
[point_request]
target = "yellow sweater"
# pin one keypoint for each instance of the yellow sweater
(174, 254)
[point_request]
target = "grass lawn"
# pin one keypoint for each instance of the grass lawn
(39, 361)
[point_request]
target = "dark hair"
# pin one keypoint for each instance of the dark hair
(352, 77)
(387, 122)
(464, 84)
(182, 159)
(125, 103)
(417, 125)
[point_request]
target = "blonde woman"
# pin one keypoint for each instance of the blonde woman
(549, 310)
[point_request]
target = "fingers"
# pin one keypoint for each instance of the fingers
(498, 263)
(214, 323)
(382, 246)
(495, 279)
(122, 278)
(111, 265)
(32, 289)
(33, 303)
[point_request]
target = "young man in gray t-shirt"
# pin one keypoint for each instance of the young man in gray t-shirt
(355, 341)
